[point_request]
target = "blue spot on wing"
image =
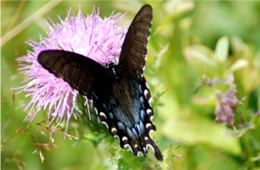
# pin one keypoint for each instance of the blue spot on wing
(130, 133)
(105, 107)
(142, 112)
(140, 88)
(141, 126)
(142, 99)
(110, 114)
(134, 132)
(121, 126)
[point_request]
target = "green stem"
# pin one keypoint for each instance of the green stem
(248, 151)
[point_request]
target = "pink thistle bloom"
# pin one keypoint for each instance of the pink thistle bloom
(94, 37)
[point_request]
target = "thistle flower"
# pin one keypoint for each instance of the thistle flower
(94, 37)
(226, 106)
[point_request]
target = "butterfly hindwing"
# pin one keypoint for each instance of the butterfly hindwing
(80, 72)
(127, 113)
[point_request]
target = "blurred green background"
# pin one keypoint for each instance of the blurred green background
(186, 38)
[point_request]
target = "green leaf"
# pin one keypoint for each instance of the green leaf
(221, 50)
(199, 55)
(239, 64)
(198, 129)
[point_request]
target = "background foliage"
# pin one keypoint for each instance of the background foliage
(191, 42)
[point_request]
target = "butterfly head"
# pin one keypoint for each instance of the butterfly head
(113, 70)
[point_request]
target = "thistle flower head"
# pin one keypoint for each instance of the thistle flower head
(94, 37)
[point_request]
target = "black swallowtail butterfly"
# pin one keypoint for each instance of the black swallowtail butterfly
(120, 93)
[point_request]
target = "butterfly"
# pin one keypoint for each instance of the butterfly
(119, 92)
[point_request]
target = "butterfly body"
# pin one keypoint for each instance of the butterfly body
(120, 93)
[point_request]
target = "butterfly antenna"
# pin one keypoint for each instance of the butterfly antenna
(103, 51)
(100, 49)
(122, 36)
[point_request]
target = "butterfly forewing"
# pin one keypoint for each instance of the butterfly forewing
(134, 49)
(80, 72)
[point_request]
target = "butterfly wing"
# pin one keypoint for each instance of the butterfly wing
(133, 115)
(128, 114)
(82, 73)
(134, 49)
